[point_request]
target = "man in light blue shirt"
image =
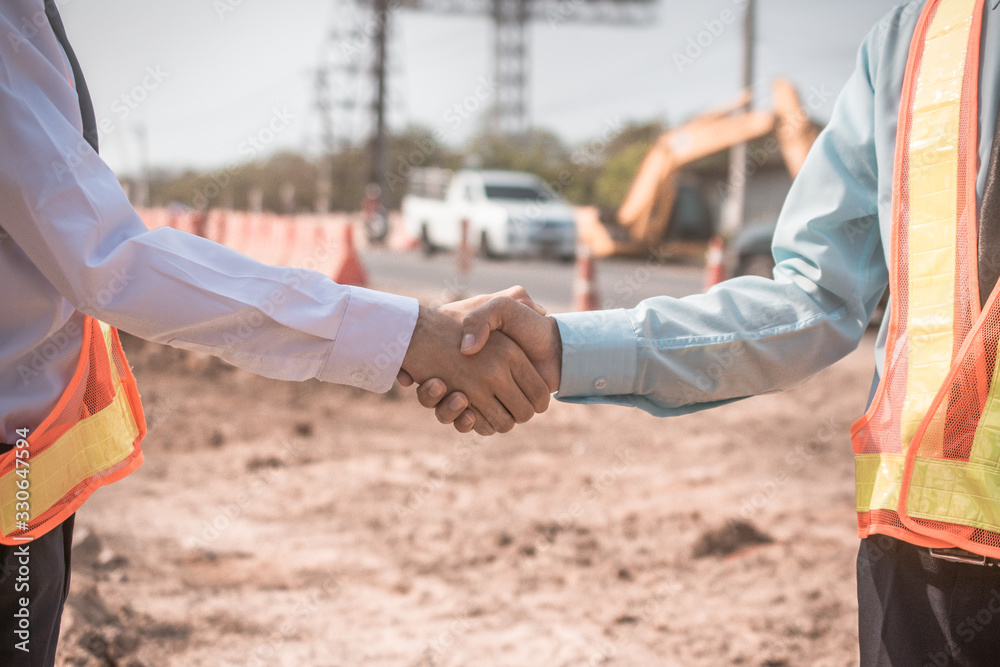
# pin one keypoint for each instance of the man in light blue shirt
(753, 335)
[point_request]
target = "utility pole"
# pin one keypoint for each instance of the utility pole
(324, 170)
(734, 208)
(142, 197)
(379, 148)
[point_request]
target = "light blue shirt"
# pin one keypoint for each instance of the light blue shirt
(752, 335)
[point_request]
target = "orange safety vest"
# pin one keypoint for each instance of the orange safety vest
(927, 452)
(91, 438)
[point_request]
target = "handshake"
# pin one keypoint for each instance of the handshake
(485, 363)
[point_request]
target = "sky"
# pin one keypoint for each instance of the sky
(214, 82)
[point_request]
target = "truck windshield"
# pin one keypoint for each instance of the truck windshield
(516, 192)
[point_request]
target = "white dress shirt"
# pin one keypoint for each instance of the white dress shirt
(70, 243)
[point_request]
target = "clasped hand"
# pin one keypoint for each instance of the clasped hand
(485, 363)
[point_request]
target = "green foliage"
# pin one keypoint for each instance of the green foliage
(596, 172)
(616, 177)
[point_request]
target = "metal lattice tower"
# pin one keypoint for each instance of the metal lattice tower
(511, 48)
(512, 57)
(510, 20)
(340, 82)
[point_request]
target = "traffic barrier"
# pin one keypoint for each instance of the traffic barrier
(319, 243)
(715, 268)
(585, 296)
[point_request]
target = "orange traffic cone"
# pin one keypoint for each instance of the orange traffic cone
(715, 270)
(585, 286)
(350, 270)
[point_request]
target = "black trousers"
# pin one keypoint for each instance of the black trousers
(36, 572)
(920, 611)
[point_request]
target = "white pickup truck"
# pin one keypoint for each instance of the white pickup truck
(508, 213)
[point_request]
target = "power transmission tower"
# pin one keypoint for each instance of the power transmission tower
(512, 57)
(511, 48)
(339, 89)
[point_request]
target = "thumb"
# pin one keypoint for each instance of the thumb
(478, 323)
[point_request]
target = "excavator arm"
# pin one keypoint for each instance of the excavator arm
(646, 211)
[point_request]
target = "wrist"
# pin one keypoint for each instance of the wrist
(557, 350)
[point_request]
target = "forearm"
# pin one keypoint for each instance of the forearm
(674, 356)
(65, 211)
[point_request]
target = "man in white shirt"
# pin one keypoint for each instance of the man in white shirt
(71, 245)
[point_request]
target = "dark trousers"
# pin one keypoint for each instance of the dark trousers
(920, 611)
(41, 578)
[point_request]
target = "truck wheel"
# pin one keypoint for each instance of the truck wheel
(485, 247)
(425, 242)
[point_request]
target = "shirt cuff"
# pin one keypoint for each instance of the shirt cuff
(600, 354)
(372, 340)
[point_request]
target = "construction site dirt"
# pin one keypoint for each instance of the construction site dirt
(307, 524)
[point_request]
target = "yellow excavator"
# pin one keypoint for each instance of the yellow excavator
(645, 214)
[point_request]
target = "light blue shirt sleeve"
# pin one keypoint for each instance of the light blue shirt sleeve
(752, 335)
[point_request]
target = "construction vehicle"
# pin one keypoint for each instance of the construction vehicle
(644, 217)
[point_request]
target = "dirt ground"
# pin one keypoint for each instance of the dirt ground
(306, 524)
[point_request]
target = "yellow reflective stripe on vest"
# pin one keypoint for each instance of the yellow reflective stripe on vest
(940, 490)
(933, 184)
(90, 446)
(986, 442)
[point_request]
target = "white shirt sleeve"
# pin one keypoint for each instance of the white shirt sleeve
(66, 212)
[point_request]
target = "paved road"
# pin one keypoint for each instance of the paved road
(622, 282)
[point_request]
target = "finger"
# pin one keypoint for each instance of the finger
(482, 425)
(478, 324)
(532, 385)
(431, 392)
(465, 422)
(495, 412)
(534, 306)
(516, 403)
(404, 378)
(451, 408)
(520, 295)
